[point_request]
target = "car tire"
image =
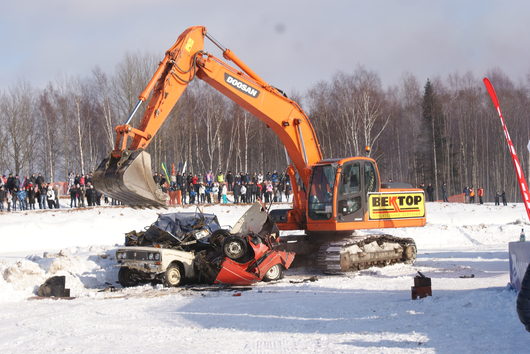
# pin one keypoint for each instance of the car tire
(274, 273)
(218, 237)
(235, 248)
(173, 276)
(126, 277)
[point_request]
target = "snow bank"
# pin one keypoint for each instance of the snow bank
(85, 269)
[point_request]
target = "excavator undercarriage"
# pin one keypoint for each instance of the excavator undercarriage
(361, 252)
(340, 254)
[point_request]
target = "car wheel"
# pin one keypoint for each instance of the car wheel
(126, 277)
(173, 276)
(235, 248)
(217, 238)
(274, 273)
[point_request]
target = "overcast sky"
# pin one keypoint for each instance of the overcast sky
(291, 44)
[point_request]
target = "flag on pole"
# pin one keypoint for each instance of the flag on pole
(165, 171)
(184, 167)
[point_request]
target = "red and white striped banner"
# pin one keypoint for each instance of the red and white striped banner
(517, 165)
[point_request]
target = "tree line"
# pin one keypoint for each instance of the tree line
(443, 130)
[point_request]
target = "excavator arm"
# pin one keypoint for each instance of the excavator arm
(126, 173)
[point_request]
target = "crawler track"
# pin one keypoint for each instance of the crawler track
(361, 252)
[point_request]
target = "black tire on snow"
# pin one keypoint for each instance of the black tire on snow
(274, 273)
(126, 277)
(174, 276)
(235, 248)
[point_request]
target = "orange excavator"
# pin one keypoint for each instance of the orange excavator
(332, 197)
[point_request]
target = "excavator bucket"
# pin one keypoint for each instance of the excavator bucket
(129, 179)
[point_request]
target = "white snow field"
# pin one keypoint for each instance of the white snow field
(367, 311)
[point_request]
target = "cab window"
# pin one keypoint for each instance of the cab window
(370, 177)
(320, 203)
(350, 179)
(349, 199)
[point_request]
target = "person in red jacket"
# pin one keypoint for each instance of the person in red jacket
(480, 193)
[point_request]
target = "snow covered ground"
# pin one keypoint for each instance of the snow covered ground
(368, 311)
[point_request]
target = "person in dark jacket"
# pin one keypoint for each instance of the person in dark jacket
(230, 180)
(244, 178)
(10, 184)
(250, 193)
(17, 182)
(3, 197)
(179, 180)
(81, 193)
(191, 193)
(444, 192)
(39, 181)
(73, 196)
(98, 197)
(91, 195)
(430, 193)
(237, 191)
(30, 190)
(43, 190)
(503, 197)
(208, 192)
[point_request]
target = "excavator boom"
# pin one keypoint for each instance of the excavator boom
(126, 174)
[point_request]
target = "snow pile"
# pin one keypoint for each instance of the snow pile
(85, 269)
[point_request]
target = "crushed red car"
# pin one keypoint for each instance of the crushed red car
(192, 247)
(246, 254)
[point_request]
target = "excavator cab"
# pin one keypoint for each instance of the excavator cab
(339, 190)
(347, 194)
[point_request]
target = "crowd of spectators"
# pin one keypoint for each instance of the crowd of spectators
(26, 193)
(216, 188)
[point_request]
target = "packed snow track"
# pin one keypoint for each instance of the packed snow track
(463, 249)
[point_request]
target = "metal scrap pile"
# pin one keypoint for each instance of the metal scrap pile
(181, 231)
(196, 247)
